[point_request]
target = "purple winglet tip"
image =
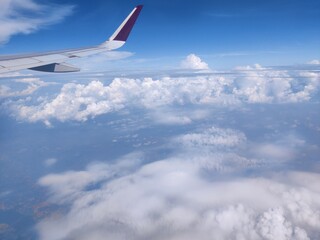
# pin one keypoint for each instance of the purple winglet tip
(126, 29)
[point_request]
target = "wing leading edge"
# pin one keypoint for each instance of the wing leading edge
(54, 61)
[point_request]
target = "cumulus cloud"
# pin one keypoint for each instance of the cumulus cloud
(173, 198)
(80, 102)
(261, 85)
(194, 62)
(27, 16)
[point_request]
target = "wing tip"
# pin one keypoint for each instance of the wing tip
(122, 34)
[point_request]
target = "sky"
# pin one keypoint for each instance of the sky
(225, 33)
(205, 125)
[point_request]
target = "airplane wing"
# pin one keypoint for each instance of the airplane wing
(54, 61)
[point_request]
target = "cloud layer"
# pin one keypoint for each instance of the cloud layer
(27, 16)
(184, 196)
(246, 85)
(209, 182)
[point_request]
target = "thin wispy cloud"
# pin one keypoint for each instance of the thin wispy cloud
(50, 162)
(33, 84)
(27, 16)
(224, 15)
(314, 62)
(100, 62)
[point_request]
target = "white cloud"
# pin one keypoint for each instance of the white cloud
(273, 151)
(227, 150)
(174, 198)
(80, 102)
(171, 119)
(273, 225)
(257, 85)
(213, 137)
(194, 62)
(70, 184)
(50, 162)
(261, 85)
(27, 16)
(100, 62)
(14, 74)
(169, 116)
(170, 199)
(116, 55)
(314, 62)
(250, 68)
(33, 85)
(281, 150)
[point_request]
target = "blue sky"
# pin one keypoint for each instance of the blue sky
(225, 33)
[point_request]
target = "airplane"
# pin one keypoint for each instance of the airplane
(54, 61)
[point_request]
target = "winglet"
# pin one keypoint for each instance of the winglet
(122, 33)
